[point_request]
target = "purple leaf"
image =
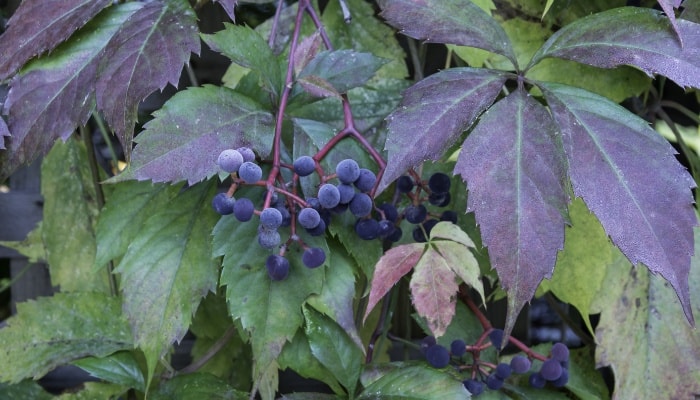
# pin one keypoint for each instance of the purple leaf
(40, 25)
(55, 93)
(433, 114)
(146, 54)
(456, 22)
(628, 177)
(4, 132)
(186, 136)
(230, 7)
(515, 172)
(668, 6)
(640, 37)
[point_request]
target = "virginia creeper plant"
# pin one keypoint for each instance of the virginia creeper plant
(277, 215)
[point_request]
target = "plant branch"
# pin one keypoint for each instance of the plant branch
(210, 353)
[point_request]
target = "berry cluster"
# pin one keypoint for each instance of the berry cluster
(554, 369)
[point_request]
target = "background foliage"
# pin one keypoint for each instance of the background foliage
(544, 111)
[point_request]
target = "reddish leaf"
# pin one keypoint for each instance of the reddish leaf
(628, 176)
(457, 22)
(606, 40)
(146, 54)
(306, 51)
(393, 265)
(40, 25)
(317, 86)
(55, 93)
(515, 173)
(433, 114)
(186, 136)
(433, 288)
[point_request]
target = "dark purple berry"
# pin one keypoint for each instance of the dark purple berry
(404, 184)
(560, 352)
(271, 218)
(437, 356)
(427, 342)
(416, 214)
(250, 172)
(361, 205)
(386, 228)
(474, 387)
(319, 230)
(439, 199)
(243, 209)
(563, 378)
(365, 182)
(551, 369)
(496, 337)
(347, 171)
(439, 182)
(247, 153)
(347, 193)
(308, 218)
(458, 347)
(537, 381)
(493, 382)
(520, 364)
(304, 166)
(313, 257)
(390, 212)
(328, 196)
(367, 229)
(503, 370)
(222, 204)
(230, 160)
(277, 267)
(449, 215)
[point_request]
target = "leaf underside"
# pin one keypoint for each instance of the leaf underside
(433, 114)
(146, 54)
(515, 171)
(629, 178)
(41, 25)
(605, 40)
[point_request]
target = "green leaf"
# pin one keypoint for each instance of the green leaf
(580, 269)
(245, 47)
(121, 368)
(660, 347)
(415, 383)
(449, 231)
(462, 263)
(343, 69)
(70, 213)
(95, 390)
(297, 356)
(167, 269)
(130, 204)
(53, 331)
(27, 389)
(197, 385)
(187, 134)
(585, 381)
(269, 311)
(309, 396)
(333, 348)
(366, 33)
(337, 297)
(31, 247)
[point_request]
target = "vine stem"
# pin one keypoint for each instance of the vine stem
(211, 352)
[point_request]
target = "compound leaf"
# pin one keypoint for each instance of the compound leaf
(40, 25)
(433, 114)
(514, 168)
(456, 22)
(70, 213)
(186, 136)
(343, 69)
(394, 264)
(660, 349)
(628, 176)
(146, 54)
(55, 93)
(53, 331)
(167, 270)
(605, 40)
